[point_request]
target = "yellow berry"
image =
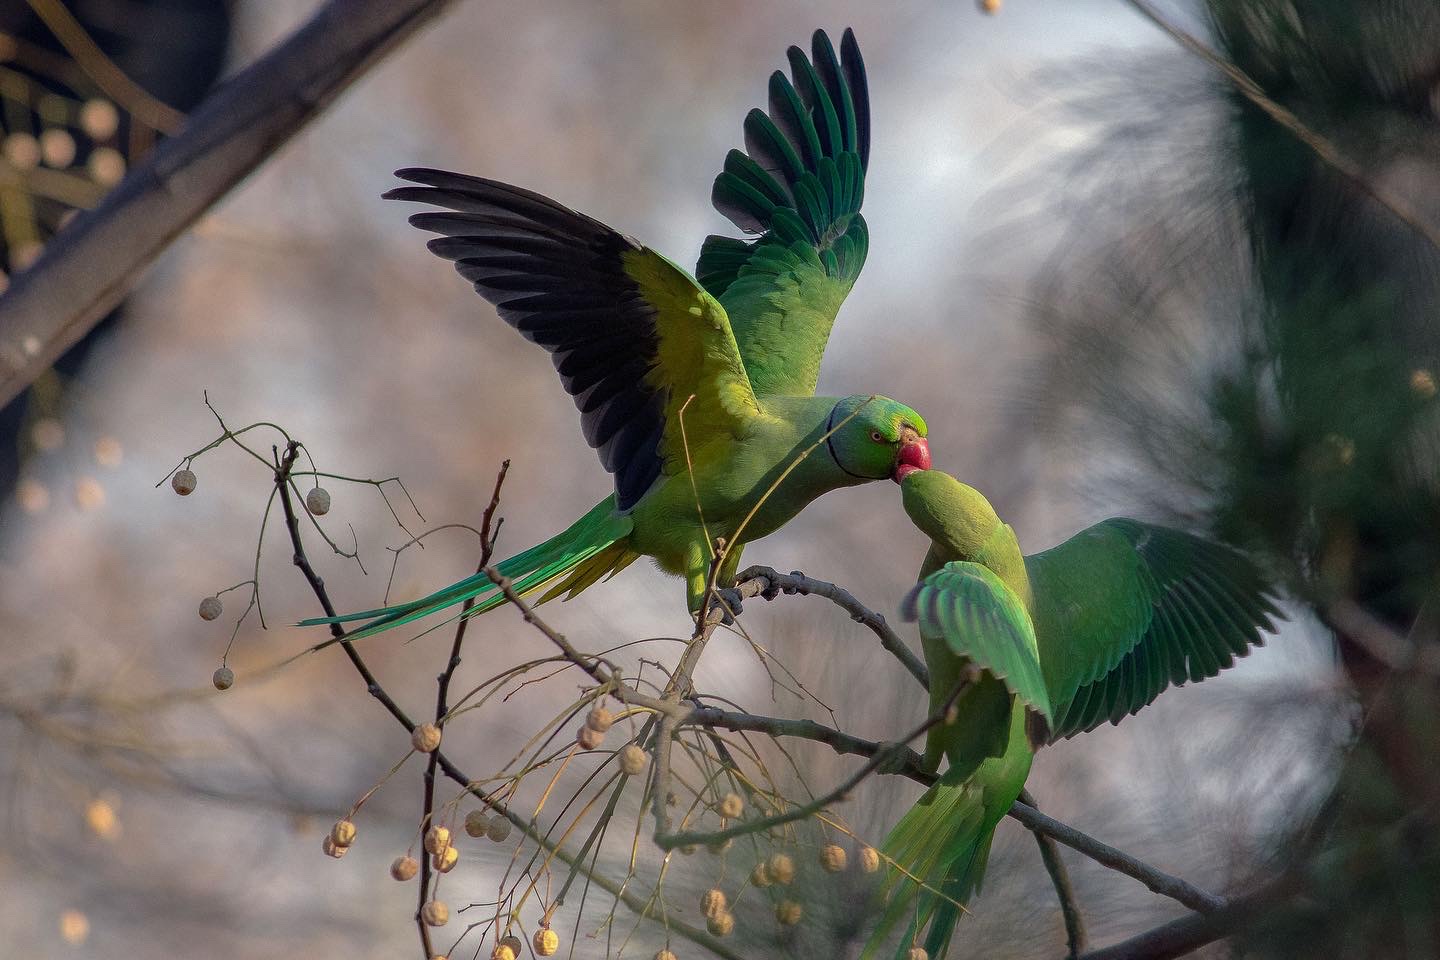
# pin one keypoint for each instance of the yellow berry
(788, 912)
(760, 876)
(599, 719)
(632, 760)
(332, 849)
(183, 482)
(1422, 381)
(991, 7)
(514, 943)
(499, 829)
(503, 951)
(343, 833)
(445, 862)
(832, 857)
(721, 925)
(869, 859)
(589, 738)
(781, 868)
(437, 839)
(404, 868)
(425, 738)
(211, 608)
(317, 501)
(476, 823)
(731, 806)
(713, 901)
(435, 913)
(546, 942)
(223, 678)
(665, 955)
(917, 953)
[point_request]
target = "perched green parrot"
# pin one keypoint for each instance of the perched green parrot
(1052, 645)
(697, 396)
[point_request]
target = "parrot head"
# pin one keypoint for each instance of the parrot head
(873, 438)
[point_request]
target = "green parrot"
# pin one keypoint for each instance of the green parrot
(698, 396)
(1052, 644)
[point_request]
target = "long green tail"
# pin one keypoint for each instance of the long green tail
(593, 546)
(943, 842)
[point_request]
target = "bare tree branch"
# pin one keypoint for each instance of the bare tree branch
(1190, 933)
(88, 268)
(1075, 939)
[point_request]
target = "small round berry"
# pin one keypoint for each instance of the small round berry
(760, 876)
(781, 869)
(404, 868)
(599, 719)
(1422, 381)
(223, 678)
(546, 942)
(917, 953)
(425, 738)
(476, 823)
(332, 849)
(437, 839)
(788, 912)
(445, 862)
(435, 913)
(343, 833)
(869, 859)
(991, 7)
(317, 501)
(589, 738)
(632, 760)
(722, 924)
(731, 806)
(665, 955)
(514, 943)
(832, 857)
(499, 829)
(503, 951)
(713, 901)
(211, 608)
(183, 482)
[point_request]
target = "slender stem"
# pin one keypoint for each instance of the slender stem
(1075, 939)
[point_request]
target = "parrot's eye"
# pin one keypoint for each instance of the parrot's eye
(877, 436)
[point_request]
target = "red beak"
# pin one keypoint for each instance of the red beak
(914, 455)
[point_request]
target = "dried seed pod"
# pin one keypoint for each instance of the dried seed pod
(869, 859)
(760, 875)
(781, 868)
(437, 839)
(665, 955)
(223, 678)
(445, 862)
(211, 608)
(589, 738)
(1422, 381)
(632, 760)
(546, 942)
(426, 738)
(476, 823)
(435, 913)
(721, 925)
(832, 857)
(917, 953)
(788, 912)
(183, 482)
(503, 951)
(515, 944)
(332, 849)
(343, 833)
(599, 719)
(713, 901)
(404, 868)
(499, 829)
(317, 501)
(731, 806)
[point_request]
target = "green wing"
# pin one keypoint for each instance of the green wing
(1124, 609)
(982, 620)
(799, 184)
(633, 337)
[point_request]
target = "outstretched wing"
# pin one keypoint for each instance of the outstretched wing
(1124, 609)
(982, 620)
(799, 184)
(633, 337)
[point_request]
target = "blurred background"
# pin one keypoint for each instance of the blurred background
(1109, 284)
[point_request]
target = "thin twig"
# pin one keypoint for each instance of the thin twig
(1075, 939)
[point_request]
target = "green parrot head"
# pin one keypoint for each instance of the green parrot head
(872, 438)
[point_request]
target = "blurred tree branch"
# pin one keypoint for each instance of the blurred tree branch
(88, 268)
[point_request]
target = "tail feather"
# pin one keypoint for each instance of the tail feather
(591, 547)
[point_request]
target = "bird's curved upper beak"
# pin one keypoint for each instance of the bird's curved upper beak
(914, 454)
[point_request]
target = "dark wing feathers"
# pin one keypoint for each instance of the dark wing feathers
(1178, 609)
(557, 277)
